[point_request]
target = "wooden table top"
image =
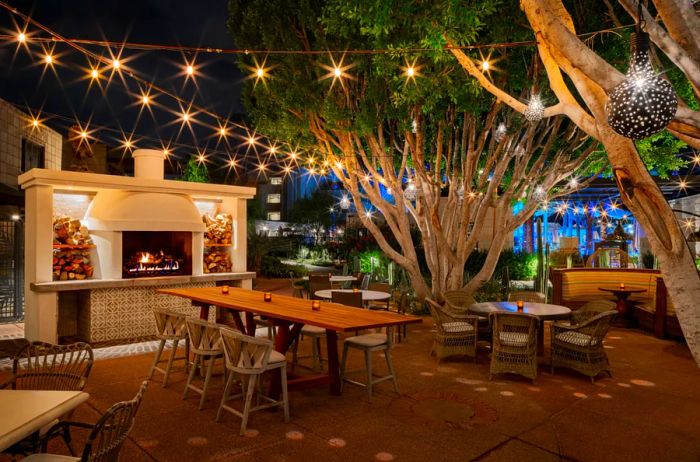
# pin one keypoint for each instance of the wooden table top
(333, 316)
(622, 291)
(26, 411)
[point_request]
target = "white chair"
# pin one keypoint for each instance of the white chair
(170, 325)
(369, 343)
(205, 338)
(250, 357)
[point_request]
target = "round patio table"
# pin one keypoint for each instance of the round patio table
(544, 311)
(367, 295)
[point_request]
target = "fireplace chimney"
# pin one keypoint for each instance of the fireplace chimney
(148, 164)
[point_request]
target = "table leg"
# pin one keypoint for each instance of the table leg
(250, 324)
(238, 321)
(333, 366)
(203, 310)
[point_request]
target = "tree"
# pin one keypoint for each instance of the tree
(195, 171)
(580, 78)
(312, 210)
(426, 147)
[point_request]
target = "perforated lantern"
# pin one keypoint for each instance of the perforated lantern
(644, 103)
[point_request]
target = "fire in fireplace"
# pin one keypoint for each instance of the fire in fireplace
(156, 253)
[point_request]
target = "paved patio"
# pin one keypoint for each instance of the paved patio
(450, 411)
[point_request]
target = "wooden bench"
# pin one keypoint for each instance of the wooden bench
(653, 309)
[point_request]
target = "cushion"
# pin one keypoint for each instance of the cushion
(515, 339)
(276, 357)
(367, 340)
(313, 330)
(575, 338)
(583, 284)
(50, 458)
(454, 327)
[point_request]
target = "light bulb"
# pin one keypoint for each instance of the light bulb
(21, 37)
(145, 99)
(410, 71)
(48, 59)
(35, 123)
(337, 72)
(94, 73)
(260, 72)
(485, 66)
(189, 69)
(83, 134)
(116, 64)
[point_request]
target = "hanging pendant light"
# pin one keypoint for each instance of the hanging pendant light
(535, 109)
(644, 103)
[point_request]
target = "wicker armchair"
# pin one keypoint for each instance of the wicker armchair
(44, 366)
(458, 300)
(527, 296)
(456, 332)
(106, 437)
(591, 309)
(580, 346)
(514, 344)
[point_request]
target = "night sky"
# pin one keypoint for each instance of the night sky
(69, 93)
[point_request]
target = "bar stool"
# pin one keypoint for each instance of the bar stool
(170, 325)
(250, 357)
(369, 343)
(315, 334)
(205, 338)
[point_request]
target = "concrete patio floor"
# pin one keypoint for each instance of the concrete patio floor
(450, 411)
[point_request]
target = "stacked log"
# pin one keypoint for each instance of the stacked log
(71, 257)
(69, 231)
(217, 261)
(219, 229)
(69, 265)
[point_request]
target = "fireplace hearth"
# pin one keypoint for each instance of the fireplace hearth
(156, 253)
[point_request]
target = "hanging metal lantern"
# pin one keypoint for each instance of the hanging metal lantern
(535, 109)
(644, 103)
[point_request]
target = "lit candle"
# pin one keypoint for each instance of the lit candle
(355, 289)
(267, 296)
(622, 286)
(224, 290)
(315, 305)
(520, 305)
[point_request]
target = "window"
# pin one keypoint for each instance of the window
(32, 155)
(273, 216)
(274, 198)
(277, 180)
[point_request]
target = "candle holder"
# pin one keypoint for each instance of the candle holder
(267, 296)
(224, 290)
(622, 286)
(521, 306)
(355, 289)
(315, 305)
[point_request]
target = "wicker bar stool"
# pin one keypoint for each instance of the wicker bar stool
(249, 358)
(369, 343)
(205, 338)
(514, 344)
(170, 325)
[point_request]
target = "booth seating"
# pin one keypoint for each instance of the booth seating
(653, 309)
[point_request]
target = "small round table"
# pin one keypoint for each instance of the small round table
(624, 307)
(544, 311)
(367, 295)
(337, 278)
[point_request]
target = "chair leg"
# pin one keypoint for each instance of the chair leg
(156, 359)
(315, 352)
(173, 352)
(368, 364)
(250, 387)
(187, 354)
(390, 366)
(191, 376)
(210, 366)
(342, 366)
(295, 349)
(285, 396)
(224, 398)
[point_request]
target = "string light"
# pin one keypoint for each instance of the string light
(22, 37)
(116, 64)
(145, 99)
(485, 66)
(201, 158)
(223, 131)
(94, 74)
(48, 59)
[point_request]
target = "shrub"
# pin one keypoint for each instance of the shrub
(272, 267)
(521, 265)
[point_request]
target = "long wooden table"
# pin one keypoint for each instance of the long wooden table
(289, 314)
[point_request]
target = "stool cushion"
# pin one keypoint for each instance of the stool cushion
(367, 340)
(313, 330)
(276, 357)
(50, 458)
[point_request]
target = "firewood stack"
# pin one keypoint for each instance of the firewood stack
(217, 261)
(70, 231)
(219, 229)
(71, 263)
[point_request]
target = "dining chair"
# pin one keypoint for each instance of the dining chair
(45, 366)
(365, 282)
(527, 296)
(368, 344)
(591, 309)
(170, 325)
(458, 300)
(580, 346)
(379, 304)
(347, 298)
(205, 344)
(514, 344)
(249, 358)
(316, 283)
(316, 334)
(106, 436)
(298, 286)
